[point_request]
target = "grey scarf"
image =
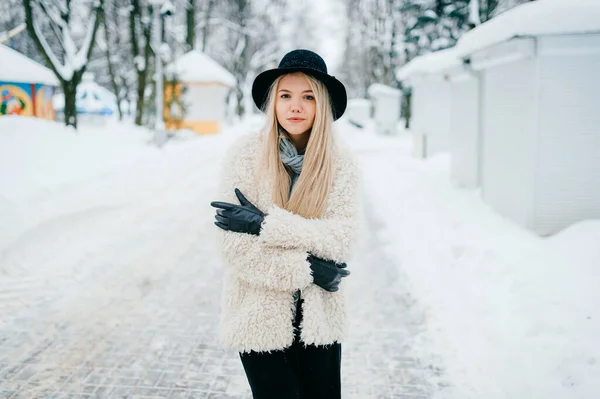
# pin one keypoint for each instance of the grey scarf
(290, 157)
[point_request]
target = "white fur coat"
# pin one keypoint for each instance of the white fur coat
(262, 272)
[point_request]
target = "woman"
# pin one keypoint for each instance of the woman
(289, 225)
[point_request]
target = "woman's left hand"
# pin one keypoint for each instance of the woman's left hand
(244, 218)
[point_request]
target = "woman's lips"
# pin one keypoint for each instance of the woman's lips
(295, 120)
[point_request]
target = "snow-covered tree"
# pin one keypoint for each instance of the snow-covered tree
(117, 70)
(66, 21)
(140, 34)
(245, 38)
(373, 44)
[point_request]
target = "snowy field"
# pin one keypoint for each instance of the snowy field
(511, 315)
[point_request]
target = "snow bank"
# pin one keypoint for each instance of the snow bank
(580, 243)
(39, 156)
(196, 66)
(17, 67)
(431, 63)
(542, 17)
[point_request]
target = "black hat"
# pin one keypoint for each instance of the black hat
(301, 61)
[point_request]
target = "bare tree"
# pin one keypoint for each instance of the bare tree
(70, 70)
(207, 11)
(251, 41)
(190, 19)
(117, 54)
(140, 29)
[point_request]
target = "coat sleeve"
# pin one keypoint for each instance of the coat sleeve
(273, 268)
(331, 237)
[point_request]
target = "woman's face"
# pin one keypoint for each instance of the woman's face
(295, 104)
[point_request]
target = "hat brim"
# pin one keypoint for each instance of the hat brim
(337, 91)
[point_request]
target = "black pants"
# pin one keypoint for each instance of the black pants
(305, 372)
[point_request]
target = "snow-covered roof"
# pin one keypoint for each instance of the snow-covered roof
(542, 17)
(16, 67)
(196, 66)
(379, 89)
(431, 63)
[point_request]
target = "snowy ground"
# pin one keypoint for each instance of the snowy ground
(109, 279)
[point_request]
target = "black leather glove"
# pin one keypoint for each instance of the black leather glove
(327, 274)
(244, 218)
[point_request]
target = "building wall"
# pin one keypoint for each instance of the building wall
(204, 107)
(206, 102)
(431, 108)
(26, 99)
(507, 147)
(568, 170)
(464, 130)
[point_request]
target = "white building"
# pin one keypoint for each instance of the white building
(430, 100)
(358, 111)
(539, 133)
(198, 100)
(386, 102)
(465, 125)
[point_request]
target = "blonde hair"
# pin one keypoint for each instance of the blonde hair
(311, 190)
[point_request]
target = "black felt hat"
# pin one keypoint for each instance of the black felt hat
(301, 61)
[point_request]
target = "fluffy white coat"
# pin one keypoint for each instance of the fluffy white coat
(262, 272)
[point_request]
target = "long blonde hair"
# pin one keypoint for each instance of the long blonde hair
(311, 190)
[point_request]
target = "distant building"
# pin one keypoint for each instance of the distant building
(430, 101)
(26, 87)
(196, 93)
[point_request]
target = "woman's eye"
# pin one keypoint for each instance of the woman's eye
(310, 98)
(285, 96)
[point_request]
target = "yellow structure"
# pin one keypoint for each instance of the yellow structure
(196, 93)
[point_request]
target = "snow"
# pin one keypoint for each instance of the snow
(431, 63)
(474, 12)
(512, 314)
(167, 8)
(17, 67)
(378, 89)
(197, 67)
(50, 156)
(4, 36)
(140, 63)
(542, 17)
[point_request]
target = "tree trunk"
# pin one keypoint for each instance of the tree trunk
(407, 109)
(191, 24)
(111, 70)
(70, 91)
(205, 27)
(240, 109)
(135, 18)
(141, 88)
